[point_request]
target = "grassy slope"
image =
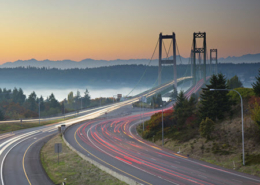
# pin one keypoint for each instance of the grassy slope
(10, 127)
(72, 167)
(226, 147)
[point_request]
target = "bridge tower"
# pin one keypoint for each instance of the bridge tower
(215, 71)
(199, 51)
(173, 61)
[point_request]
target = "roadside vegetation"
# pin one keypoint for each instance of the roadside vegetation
(208, 126)
(10, 127)
(14, 105)
(72, 169)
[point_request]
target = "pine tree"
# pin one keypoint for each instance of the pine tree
(1, 115)
(234, 82)
(214, 104)
(256, 85)
(183, 108)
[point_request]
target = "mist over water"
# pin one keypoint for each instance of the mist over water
(61, 93)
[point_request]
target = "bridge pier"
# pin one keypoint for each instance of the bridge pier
(173, 61)
(214, 58)
(199, 51)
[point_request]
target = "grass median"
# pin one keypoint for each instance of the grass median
(72, 169)
(10, 127)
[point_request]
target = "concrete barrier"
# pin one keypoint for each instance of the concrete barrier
(117, 175)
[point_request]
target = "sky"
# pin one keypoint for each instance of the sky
(121, 29)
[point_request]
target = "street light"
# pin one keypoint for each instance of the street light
(162, 125)
(64, 108)
(243, 144)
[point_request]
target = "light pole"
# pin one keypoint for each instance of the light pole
(242, 118)
(64, 108)
(162, 125)
(113, 97)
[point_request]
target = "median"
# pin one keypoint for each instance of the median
(72, 169)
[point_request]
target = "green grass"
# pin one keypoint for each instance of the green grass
(72, 167)
(10, 127)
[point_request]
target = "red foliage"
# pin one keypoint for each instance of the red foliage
(252, 101)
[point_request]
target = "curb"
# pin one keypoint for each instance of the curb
(117, 175)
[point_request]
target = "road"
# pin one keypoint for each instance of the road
(115, 144)
(19, 150)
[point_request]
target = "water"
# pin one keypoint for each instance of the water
(61, 94)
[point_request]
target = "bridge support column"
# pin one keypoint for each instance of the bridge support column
(173, 61)
(199, 50)
(215, 70)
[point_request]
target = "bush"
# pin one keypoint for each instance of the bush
(206, 128)
(245, 93)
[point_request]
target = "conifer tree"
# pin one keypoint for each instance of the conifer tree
(234, 82)
(256, 85)
(214, 104)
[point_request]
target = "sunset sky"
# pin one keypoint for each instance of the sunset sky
(120, 29)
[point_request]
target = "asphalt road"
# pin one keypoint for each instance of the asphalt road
(115, 144)
(19, 150)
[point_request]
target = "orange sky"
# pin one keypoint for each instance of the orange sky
(114, 29)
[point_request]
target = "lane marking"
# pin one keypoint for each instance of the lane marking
(2, 164)
(25, 154)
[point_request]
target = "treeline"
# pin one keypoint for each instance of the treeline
(123, 75)
(15, 105)
(200, 113)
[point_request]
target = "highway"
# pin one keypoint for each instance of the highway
(115, 144)
(19, 150)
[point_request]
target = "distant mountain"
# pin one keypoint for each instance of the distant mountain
(86, 63)
(90, 63)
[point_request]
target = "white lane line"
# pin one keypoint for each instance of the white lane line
(2, 164)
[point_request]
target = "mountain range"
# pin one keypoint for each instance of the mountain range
(91, 63)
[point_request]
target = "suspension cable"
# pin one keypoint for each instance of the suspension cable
(145, 69)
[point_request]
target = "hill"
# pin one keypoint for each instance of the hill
(91, 63)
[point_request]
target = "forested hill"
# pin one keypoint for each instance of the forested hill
(91, 63)
(113, 76)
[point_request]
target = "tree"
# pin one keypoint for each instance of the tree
(31, 101)
(70, 98)
(183, 108)
(255, 113)
(53, 102)
(214, 104)
(256, 85)
(86, 99)
(2, 117)
(234, 82)
(206, 127)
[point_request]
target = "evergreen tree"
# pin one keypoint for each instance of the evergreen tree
(53, 102)
(1, 115)
(234, 82)
(70, 98)
(214, 104)
(183, 108)
(256, 85)
(41, 101)
(32, 102)
(86, 99)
